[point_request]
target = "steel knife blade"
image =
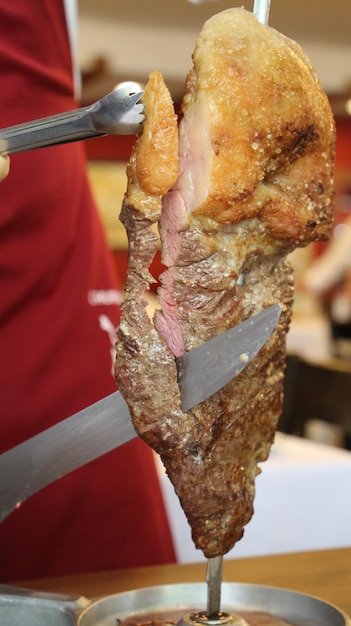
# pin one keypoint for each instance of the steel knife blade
(107, 424)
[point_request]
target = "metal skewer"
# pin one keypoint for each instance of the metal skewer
(213, 616)
(261, 10)
(214, 582)
(214, 565)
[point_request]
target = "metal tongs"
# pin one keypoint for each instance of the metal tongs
(118, 113)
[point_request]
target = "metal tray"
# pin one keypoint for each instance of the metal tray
(22, 606)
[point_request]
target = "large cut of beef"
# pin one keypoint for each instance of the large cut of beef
(244, 179)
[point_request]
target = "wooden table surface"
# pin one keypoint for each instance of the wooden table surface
(325, 574)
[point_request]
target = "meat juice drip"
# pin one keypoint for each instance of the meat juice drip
(220, 619)
(176, 618)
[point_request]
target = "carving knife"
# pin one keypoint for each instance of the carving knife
(105, 425)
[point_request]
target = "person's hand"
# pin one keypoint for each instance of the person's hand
(4, 166)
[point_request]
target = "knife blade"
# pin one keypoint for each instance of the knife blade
(107, 424)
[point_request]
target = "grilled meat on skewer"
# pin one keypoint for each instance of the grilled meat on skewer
(255, 156)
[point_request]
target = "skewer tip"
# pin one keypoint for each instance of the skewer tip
(261, 10)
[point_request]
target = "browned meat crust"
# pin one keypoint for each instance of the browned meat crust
(256, 144)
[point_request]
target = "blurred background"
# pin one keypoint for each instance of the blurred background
(133, 37)
(123, 40)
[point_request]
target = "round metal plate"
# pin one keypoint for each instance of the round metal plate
(297, 608)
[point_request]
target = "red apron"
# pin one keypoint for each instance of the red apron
(58, 310)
